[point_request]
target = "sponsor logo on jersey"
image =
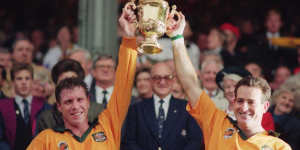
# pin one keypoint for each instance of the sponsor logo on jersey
(99, 136)
(228, 133)
(62, 145)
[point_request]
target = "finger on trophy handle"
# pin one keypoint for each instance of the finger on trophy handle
(174, 13)
(130, 5)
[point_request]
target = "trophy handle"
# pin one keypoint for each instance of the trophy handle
(174, 12)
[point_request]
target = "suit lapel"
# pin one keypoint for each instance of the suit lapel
(150, 117)
(171, 118)
(36, 106)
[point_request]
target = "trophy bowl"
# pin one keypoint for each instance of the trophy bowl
(152, 18)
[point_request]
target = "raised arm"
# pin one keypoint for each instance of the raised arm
(183, 65)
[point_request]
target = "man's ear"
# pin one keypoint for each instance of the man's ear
(266, 106)
(58, 105)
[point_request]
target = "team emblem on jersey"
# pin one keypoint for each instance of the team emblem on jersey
(62, 145)
(266, 147)
(228, 133)
(99, 136)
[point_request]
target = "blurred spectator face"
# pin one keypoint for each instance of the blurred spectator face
(202, 41)
(187, 33)
(162, 79)
(214, 40)
(5, 60)
(65, 75)
(64, 35)
(273, 22)
(104, 71)
(208, 76)
(143, 84)
(282, 73)
(177, 90)
(80, 57)
(37, 37)
(247, 27)
(254, 69)
(229, 86)
(23, 83)
(284, 103)
(22, 52)
(230, 37)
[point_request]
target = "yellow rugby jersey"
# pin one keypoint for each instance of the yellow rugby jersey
(221, 133)
(104, 134)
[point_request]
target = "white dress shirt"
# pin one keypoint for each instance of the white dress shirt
(19, 101)
(100, 95)
(165, 104)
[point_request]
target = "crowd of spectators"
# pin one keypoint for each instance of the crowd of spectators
(219, 35)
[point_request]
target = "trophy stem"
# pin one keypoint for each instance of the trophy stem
(150, 45)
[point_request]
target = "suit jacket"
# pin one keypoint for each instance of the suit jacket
(269, 54)
(8, 112)
(180, 132)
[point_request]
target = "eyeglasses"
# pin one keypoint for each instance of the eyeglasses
(158, 78)
(104, 66)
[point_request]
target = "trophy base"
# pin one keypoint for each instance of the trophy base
(149, 49)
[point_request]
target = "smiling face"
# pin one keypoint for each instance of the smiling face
(284, 103)
(74, 106)
(249, 108)
(208, 76)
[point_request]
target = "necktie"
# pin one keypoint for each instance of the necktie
(161, 119)
(104, 100)
(26, 111)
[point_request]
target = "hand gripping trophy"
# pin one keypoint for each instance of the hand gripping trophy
(152, 22)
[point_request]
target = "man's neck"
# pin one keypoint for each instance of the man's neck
(250, 131)
(78, 130)
(104, 85)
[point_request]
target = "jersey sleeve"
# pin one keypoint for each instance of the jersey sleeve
(205, 113)
(112, 118)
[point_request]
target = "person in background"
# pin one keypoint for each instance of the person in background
(60, 51)
(20, 113)
(161, 121)
(85, 59)
(143, 84)
(104, 69)
(254, 69)
(208, 72)
(232, 35)
(23, 54)
(286, 124)
(282, 73)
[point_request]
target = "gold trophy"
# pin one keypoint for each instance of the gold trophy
(152, 22)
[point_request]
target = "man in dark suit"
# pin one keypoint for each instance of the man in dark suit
(21, 112)
(269, 53)
(161, 122)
